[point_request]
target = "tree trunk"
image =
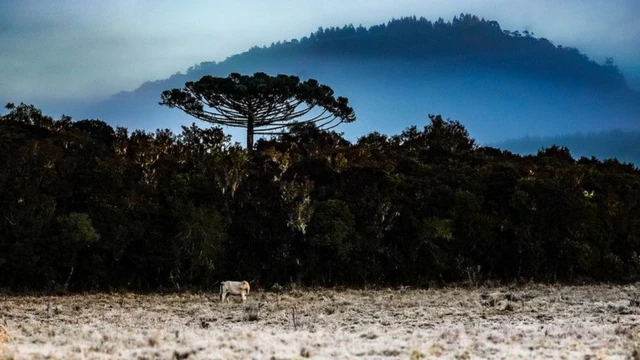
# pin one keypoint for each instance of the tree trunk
(250, 123)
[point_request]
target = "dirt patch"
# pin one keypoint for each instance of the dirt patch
(590, 322)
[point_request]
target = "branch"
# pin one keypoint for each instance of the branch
(289, 116)
(265, 131)
(284, 111)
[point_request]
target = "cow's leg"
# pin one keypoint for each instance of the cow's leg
(244, 296)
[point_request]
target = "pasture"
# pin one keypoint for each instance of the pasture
(533, 321)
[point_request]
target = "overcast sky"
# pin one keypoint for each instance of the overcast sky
(87, 49)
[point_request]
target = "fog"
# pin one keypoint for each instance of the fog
(82, 50)
(391, 95)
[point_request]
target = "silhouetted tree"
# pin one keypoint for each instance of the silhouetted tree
(263, 104)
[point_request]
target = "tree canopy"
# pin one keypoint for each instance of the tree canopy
(466, 40)
(263, 104)
(84, 206)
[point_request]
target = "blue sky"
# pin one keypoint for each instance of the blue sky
(90, 49)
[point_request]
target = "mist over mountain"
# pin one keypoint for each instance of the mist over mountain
(500, 84)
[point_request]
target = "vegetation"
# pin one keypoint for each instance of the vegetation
(608, 144)
(87, 206)
(466, 40)
(534, 321)
(262, 104)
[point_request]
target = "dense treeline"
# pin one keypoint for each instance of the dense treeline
(85, 206)
(466, 40)
(618, 144)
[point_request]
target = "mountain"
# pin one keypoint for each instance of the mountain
(500, 84)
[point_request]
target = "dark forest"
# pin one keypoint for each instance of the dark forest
(84, 206)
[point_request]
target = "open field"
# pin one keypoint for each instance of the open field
(536, 321)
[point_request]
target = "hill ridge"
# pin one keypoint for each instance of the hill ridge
(500, 83)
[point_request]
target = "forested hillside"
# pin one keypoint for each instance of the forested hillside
(502, 84)
(466, 41)
(86, 206)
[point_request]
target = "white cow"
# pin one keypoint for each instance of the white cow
(234, 287)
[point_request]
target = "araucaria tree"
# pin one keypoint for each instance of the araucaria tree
(263, 104)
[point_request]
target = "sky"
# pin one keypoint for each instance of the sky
(89, 49)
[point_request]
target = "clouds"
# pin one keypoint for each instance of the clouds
(84, 49)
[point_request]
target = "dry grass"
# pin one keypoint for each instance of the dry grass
(4, 338)
(591, 322)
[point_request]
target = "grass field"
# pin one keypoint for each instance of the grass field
(534, 321)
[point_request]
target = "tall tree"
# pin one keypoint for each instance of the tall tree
(263, 104)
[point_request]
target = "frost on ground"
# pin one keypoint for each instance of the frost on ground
(589, 322)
